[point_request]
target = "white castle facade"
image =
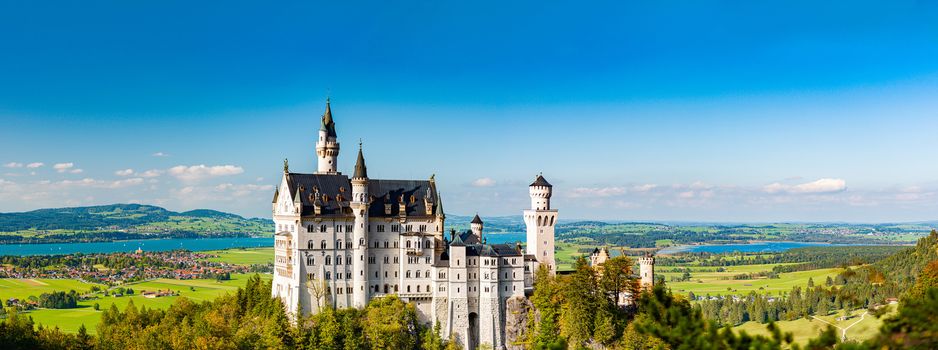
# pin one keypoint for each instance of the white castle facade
(342, 241)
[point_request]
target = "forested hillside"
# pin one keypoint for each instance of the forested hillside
(123, 221)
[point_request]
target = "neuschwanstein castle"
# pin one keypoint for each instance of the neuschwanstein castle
(341, 241)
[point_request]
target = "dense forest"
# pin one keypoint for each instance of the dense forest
(121, 222)
(866, 286)
(573, 311)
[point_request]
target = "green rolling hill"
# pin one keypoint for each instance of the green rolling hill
(124, 221)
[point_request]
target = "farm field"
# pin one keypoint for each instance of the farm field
(244, 256)
(804, 329)
(720, 283)
(23, 288)
(69, 320)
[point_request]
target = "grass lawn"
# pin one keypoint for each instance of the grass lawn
(803, 329)
(703, 283)
(244, 256)
(23, 288)
(69, 320)
(565, 253)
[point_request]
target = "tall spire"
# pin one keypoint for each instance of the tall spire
(328, 125)
(361, 171)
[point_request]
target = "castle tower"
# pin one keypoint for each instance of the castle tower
(327, 146)
(476, 227)
(458, 315)
(540, 221)
(647, 270)
(359, 205)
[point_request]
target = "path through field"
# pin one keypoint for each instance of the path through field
(843, 334)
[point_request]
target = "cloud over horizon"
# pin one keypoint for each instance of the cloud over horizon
(201, 171)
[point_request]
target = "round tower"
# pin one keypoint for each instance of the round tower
(359, 205)
(327, 146)
(540, 192)
(476, 227)
(647, 270)
(540, 221)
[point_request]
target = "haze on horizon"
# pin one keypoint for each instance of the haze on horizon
(753, 112)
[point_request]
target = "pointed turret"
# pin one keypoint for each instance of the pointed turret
(327, 124)
(361, 171)
(476, 220)
(327, 147)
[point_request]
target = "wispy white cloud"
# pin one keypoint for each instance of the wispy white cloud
(125, 172)
(35, 165)
(199, 172)
(825, 185)
(151, 173)
(160, 154)
(63, 167)
(484, 182)
(13, 165)
(581, 192)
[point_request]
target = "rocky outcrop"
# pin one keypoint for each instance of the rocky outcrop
(516, 321)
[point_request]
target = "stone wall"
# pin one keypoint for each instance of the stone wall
(517, 309)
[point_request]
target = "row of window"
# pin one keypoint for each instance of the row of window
(328, 275)
(349, 228)
(311, 260)
(427, 244)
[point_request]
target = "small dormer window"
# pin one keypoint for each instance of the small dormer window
(339, 198)
(342, 189)
(325, 198)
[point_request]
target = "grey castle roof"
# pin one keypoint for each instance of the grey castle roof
(332, 187)
(540, 181)
(476, 220)
(361, 171)
(328, 125)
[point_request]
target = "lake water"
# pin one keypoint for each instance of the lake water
(152, 245)
(193, 244)
(763, 247)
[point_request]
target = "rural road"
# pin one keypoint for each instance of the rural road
(843, 334)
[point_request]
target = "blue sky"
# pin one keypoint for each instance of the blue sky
(706, 111)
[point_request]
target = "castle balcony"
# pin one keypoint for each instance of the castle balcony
(414, 251)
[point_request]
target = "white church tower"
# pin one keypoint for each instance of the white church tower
(540, 221)
(327, 147)
(359, 204)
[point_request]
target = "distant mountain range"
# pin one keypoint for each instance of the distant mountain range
(124, 221)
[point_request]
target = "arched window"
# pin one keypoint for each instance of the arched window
(310, 261)
(551, 221)
(338, 260)
(361, 242)
(407, 274)
(428, 273)
(328, 259)
(426, 243)
(418, 275)
(408, 289)
(418, 289)
(408, 244)
(309, 245)
(322, 245)
(386, 288)
(395, 288)
(338, 244)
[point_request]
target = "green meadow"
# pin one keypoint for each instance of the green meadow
(23, 288)
(244, 256)
(720, 283)
(802, 330)
(69, 320)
